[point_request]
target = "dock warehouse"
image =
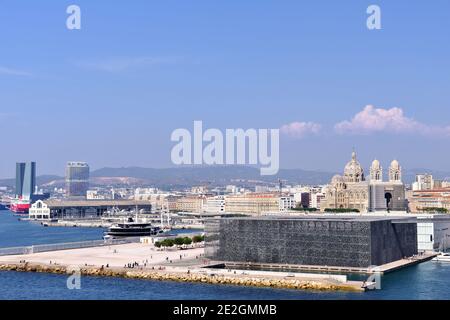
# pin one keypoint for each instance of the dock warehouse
(82, 209)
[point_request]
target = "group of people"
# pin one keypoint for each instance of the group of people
(132, 265)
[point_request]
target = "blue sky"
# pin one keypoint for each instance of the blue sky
(112, 92)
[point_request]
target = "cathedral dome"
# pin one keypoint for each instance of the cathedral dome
(353, 171)
(337, 179)
(395, 164)
(376, 164)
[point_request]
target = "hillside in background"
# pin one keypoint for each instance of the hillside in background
(213, 175)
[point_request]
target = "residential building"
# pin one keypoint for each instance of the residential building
(94, 195)
(190, 203)
(214, 204)
(258, 203)
(77, 179)
(429, 200)
(423, 182)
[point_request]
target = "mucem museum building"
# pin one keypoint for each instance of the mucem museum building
(352, 241)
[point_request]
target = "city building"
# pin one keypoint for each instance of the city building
(386, 195)
(190, 203)
(94, 195)
(305, 200)
(286, 203)
(214, 204)
(439, 184)
(77, 179)
(159, 201)
(39, 211)
(430, 201)
(199, 190)
(316, 199)
(170, 203)
(353, 191)
(258, 203)
(82, 209)
(423, 182)
(145, 193)
(25, 180)
(350, 241)
(26, 189)
(433, 232)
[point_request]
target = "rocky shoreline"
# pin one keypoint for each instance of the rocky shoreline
(192, 277)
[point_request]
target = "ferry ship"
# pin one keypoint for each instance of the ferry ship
(133, 229)
(20, 206)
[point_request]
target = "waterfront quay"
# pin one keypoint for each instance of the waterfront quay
(145, 261)
(383, 269)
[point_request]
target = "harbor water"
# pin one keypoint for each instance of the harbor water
(426, 281)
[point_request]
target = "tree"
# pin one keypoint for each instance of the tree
(305, 209)
(434, 209)
(167, 243)
(158, 244)
(179, 241)
(197, 239)
(187, 241)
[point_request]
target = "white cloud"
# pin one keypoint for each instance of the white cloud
(14, 72)
(372, 120)
(300, 129)
(122, 64)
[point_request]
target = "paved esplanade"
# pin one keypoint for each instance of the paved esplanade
(114, 256)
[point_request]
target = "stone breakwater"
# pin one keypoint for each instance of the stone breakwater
(192, 277)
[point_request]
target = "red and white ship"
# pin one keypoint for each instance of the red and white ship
(20, 206)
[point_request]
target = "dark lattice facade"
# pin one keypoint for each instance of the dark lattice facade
(321, 241)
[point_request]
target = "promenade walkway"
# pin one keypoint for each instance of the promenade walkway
(114, 256)
(146, 261)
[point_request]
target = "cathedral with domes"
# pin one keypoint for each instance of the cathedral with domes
(354, 191)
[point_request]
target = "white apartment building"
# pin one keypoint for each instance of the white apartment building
(316, 199)
(199, 190)
(286, 203)
(214, 204)
(424, 182)
(93, 195)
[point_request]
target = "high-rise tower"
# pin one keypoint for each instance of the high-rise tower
(25, 179)
(77, 179)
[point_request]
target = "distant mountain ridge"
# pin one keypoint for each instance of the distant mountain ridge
(217, 175)
(211, 175)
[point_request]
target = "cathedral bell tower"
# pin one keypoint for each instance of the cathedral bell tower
(376, 172)
(395, 172)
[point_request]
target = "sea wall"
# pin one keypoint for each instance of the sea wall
(64, 246)
(157, 275)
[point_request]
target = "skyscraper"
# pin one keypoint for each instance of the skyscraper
(77, 179)
(25, 179)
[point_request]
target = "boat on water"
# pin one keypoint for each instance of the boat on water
(442, 257)
(20, 206)
(132, 228)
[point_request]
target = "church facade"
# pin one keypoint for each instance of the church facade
(354, 191)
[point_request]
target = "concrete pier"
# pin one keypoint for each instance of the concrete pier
(175, 265)
(383, 269)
